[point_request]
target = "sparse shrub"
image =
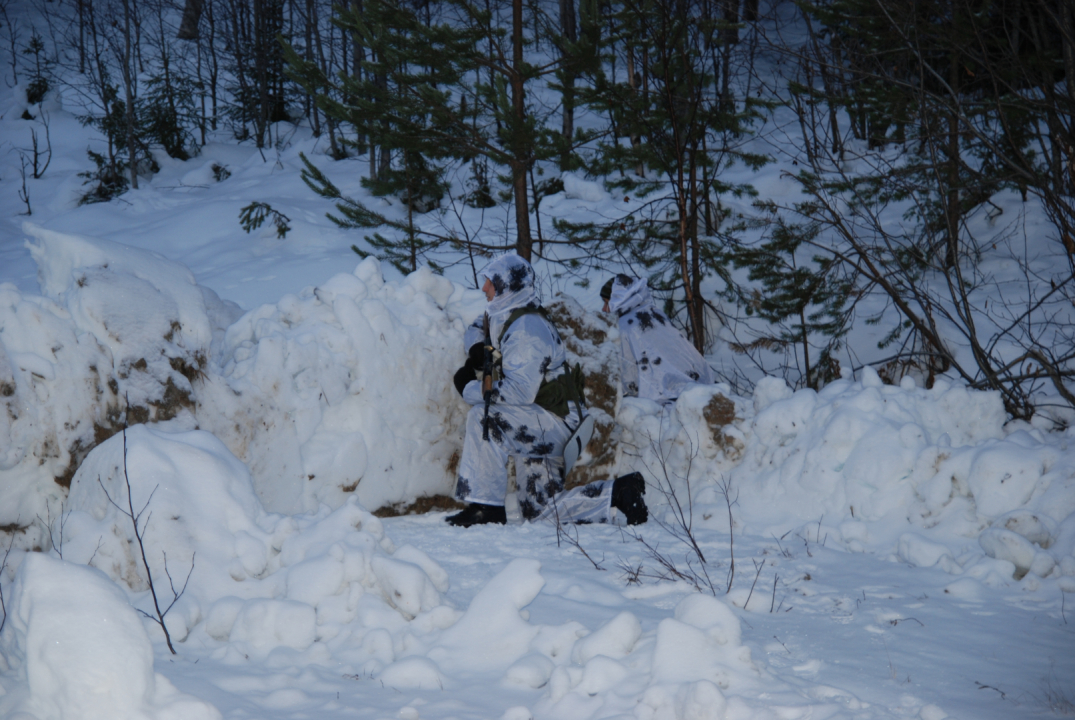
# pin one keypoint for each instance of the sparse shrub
(107, 181)
(38, 86)
(255, 214)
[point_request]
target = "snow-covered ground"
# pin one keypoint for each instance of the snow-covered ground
(871, 551)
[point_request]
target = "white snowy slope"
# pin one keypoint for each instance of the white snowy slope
(899, 552)
(871, 552)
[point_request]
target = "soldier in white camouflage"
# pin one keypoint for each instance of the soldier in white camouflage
(658, 363)
(527, 411)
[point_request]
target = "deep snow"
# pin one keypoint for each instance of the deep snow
(899, 552)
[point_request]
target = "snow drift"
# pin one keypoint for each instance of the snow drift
(332, 395)
(324, 395)
(82, 652)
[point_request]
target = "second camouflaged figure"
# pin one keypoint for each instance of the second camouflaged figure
(657, 361)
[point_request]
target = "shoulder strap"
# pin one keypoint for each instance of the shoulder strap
(518, 313)
(569, 384)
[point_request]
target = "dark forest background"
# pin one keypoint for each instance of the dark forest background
(900, 123)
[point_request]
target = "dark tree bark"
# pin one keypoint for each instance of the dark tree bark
(521, 160)
(192, 15)
(569, 29)
(128, 85)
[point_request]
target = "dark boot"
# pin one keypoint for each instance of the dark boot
(478, 514)
(627, 492)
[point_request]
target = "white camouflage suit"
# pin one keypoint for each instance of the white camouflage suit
(658, 362)
(531, 350)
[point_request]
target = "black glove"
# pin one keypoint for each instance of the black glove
(476, 356)
(463, 376)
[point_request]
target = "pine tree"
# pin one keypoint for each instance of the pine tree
(404, 256)
(804, 296)
(673, 131)
(448, 87)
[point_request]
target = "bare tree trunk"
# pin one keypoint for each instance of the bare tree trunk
(694, 287)
(214, 65)
(521, 159)
(358, 51)
(128, 86)
(952, 210)
(82, 36)
(1067, 39)
(188, 26)
(729, 38)
(569, 29)
(261, 71)
(632, 82)
(330, 123)
(309, 105)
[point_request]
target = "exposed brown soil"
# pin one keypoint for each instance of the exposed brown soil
(430, 503)
(719, 413)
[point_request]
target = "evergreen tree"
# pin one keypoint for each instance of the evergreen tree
(404, 256)
(803, 295)
(672, 133)
(447, 87)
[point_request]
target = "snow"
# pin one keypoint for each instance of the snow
(892, 551)
(295, 589)
(82, 649)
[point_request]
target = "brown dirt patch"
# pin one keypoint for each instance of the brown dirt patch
(430, 503)
(78, 451)
(603, 453)
(563, 320)
(719, 412)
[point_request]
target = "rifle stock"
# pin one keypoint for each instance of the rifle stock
(487, 376)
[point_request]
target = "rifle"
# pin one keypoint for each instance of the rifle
(487, 376)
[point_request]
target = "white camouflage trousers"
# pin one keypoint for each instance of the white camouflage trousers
(535, 438)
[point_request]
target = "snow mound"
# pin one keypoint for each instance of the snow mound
(576, 188)
(81, 651)
(260, 582)
(681, 669)
(931, 477)
(196, 508)
(492, 631)
(345, 388)
(119, 332)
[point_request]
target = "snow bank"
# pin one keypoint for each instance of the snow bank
(56, 391)
(118, 326)
(325, 394)
(79, 650)
(929, 477)
(153, 291)
(345, 388)
(342, 391)
(262, 584)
